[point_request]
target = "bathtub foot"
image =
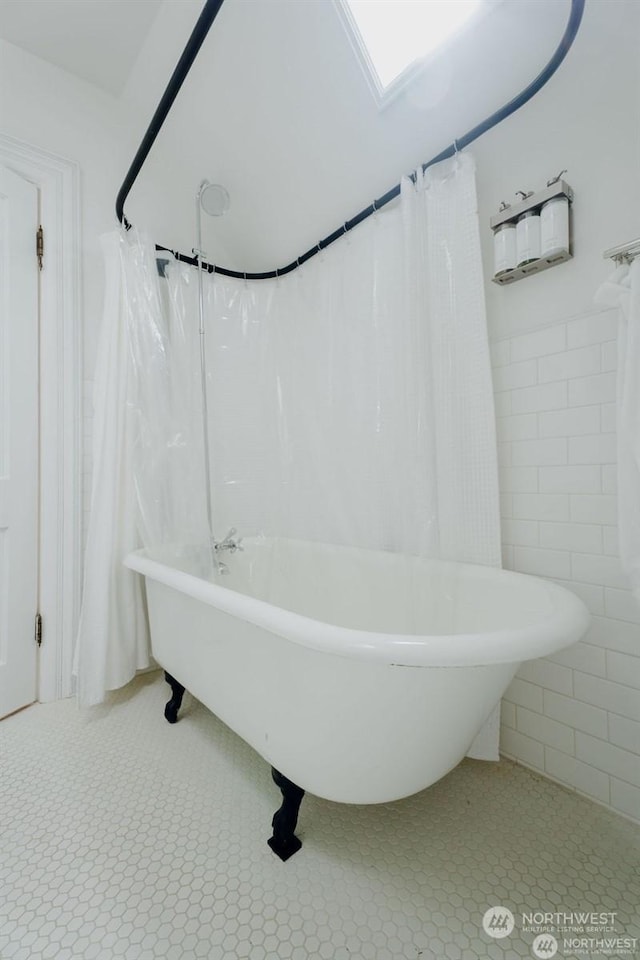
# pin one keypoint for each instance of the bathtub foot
(177, 691)
(283, 842)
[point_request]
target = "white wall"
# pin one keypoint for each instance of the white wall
(575, 716)
(48, 108)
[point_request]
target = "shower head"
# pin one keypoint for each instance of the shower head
(213, 198)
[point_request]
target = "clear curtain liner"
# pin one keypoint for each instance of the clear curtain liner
(622, 291)
(350, 402)
(441, 221)
(463, 413)
(113, 642)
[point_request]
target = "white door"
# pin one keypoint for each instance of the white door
(18, 440)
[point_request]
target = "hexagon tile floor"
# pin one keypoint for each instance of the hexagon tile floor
(124, 837)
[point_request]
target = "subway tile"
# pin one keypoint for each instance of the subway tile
(594, 508)
(544, 729)
(547, 396)
(610, 479)
(604, 756)
(571, 422)
(524, 694)
(522, 427)
(609, 355)
(616, 635)
(523, 374)
(522, 748)
(542, 563)
(623, 733)
(574, 713)
(508, 714)
(539, 452)
(577, 774)
(581, 537)
(586, 657)
(624, 668)
(539, 344)
(610, 544)
(608, 418)
(570, 479)
(596, 448)
(500, 352)
(569, 364)
(502, 404)
(519, 479)
(546, 674)
(622, 605)
(523, 533)
(504, 454)
(625, 798)
(506, 504)
(583, 391)
(607, 694)
(596, 328)
(535, 506)
(507, 556)
(590, 568)
(589, 593)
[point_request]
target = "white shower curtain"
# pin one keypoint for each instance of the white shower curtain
(622, 291)
(113, 640)
(350, 402)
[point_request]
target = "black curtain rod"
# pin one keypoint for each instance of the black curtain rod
(200, 31)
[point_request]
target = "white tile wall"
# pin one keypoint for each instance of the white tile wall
(574, 716)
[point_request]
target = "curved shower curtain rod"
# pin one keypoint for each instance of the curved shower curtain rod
(181, 71)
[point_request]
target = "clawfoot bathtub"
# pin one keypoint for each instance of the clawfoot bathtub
(360, 676)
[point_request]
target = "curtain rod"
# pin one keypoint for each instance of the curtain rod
(200, 31)
(624, 253)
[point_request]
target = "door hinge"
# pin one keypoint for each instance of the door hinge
(38, 630)
(40, 246)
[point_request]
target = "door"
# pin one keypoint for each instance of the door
(18, 440)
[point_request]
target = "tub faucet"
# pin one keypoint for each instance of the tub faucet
(230, 542)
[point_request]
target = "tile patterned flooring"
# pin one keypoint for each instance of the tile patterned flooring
(124, 837)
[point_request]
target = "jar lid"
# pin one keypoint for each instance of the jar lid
(508, 225)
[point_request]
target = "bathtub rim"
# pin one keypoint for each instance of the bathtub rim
(565, 626)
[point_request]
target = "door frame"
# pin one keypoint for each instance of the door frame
(60, 453)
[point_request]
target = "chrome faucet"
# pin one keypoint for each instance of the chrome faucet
(230, 542)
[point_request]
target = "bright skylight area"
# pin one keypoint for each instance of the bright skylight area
(398, 32)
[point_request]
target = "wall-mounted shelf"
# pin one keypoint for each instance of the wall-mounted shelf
(534, 203)
(535, 266)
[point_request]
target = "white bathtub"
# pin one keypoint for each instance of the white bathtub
(362, 676)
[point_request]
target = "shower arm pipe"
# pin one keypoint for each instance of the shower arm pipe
(569, 35)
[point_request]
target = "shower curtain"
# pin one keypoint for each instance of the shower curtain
(622, 291)
(350, 402)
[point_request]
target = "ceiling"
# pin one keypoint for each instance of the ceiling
(97, 40)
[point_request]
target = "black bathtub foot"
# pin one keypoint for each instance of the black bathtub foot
(177, 691)
(283, 842)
